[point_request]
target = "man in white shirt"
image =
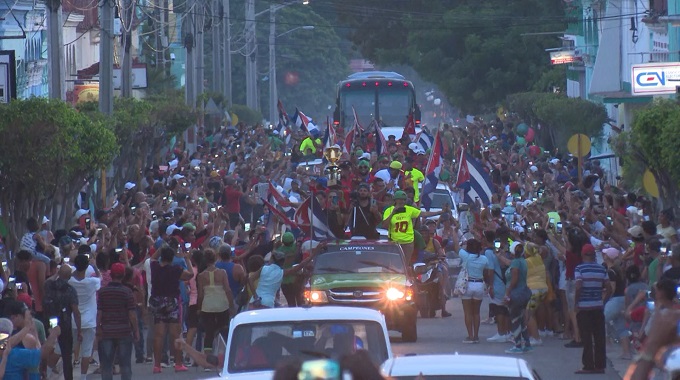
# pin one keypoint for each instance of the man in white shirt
(391, 176)
(86, 287)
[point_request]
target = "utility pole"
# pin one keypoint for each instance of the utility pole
(55, 50)
(190, 70)
(273, 112)
(200, 66)
(126, 39)
(106, 58)
(251, 70)
(216, 26)
(227, 53)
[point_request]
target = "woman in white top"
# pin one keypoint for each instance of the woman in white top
(270, 277)
(479, 271)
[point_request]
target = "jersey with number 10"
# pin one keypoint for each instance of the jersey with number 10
(401, 225)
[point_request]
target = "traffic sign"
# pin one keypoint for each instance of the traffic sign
(579, 145)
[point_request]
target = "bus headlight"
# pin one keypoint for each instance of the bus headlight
(394, 294)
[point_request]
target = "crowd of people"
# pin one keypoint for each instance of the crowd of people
(161, 270)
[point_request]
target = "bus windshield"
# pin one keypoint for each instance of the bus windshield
(394, 105)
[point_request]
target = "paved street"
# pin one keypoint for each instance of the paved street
(437, 336)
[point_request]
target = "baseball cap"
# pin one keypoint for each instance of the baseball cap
(288, 238)
(635, 231)
(588, 249)
(189, 226)
(399, 195)
(554, 161)
(612, 253)
(117, 270)
(171, 229)
(395, 165)
(364, 163)
(215, 242)
(130, 186)
(414, 147)
(45, 220)
(81, 212)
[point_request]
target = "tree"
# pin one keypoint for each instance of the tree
(560, 117)
(477, 51)
(142, 129)
(48, 149)
(653, 141)
(309, 63)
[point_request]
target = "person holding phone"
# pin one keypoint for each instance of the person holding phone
(399, 218)
(364, 216)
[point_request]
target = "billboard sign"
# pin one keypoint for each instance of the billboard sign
(655, 78)
(138, 77)
(563, 56)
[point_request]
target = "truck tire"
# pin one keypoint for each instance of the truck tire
(409, 328)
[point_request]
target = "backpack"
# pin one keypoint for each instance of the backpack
(57, 300)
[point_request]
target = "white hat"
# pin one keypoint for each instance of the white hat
(93, 247)
(172, 228)
(493, 138)
(173, 164)
(275, 132)
(514, 246)
(195, 162)
(83, 241)
(533, 168)
(414, 147)
(366, 156)
(130, 185)
(554, 161)
(81, 212)
(177, 177)
(45, 220)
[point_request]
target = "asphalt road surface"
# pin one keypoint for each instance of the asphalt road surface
(441, 336)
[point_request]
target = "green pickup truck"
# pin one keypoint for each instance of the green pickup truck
(369, 274)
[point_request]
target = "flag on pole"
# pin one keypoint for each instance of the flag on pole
(282, 217)
(380, 141)
(284, 125)
(280, 198)
(303, 122)
(313, 219)
(434, 167)
(410, 128)
(474, 180)
(424, 140)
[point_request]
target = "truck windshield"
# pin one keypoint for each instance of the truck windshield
(394, 104)
(359, 262)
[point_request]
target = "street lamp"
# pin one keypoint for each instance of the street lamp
(273, 91)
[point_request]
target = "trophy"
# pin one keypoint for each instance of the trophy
(332, 170)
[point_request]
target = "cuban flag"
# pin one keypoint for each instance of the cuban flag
(425, 140)
(410, 128)
(329, 137)
(351, 134)
(474, 181)
(313, 220)
(278, 196)
(434, 167)
(303, 121)
(284, 124)
(380, 141)
(274, 211)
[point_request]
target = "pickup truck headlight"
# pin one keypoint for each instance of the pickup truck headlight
(394, 294)
(317, 296)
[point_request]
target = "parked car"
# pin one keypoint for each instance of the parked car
(458, 367)
(261, 339)
(369, 274)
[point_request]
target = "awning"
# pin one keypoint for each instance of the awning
(617, 97)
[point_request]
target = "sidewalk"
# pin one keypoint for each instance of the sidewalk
(613, 354)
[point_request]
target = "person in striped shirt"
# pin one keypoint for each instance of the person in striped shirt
(592, 288)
